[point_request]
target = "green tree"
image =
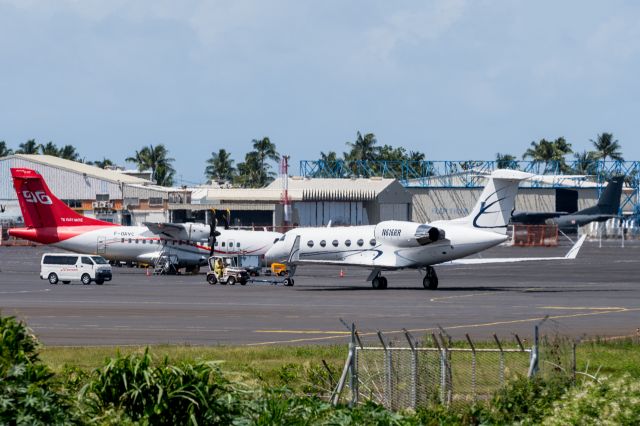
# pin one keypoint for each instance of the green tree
(4, 151)
(103, 164)
(605, 146)
(363, 148)
(220, 166)
(586, 162)
(265, 150)
(29, 147)
(68, 152)
(249, 173)
(49, 149)
(550, 152)
(416, 156)
(506, 161)
(155, 159)
(330, 157)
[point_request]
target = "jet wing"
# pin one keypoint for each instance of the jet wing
(571, 254)
(168, 230)
(534, 217)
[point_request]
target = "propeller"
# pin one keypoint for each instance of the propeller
(213, 233)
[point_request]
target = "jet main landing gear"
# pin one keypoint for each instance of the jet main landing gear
(379, 283)
(430, 280)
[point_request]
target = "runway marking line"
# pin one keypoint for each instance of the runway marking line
(478, 325)
(301, 331)
(583, 308)
(437, 299)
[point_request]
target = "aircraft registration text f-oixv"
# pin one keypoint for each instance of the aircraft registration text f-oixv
(392, 245)
(49, 221)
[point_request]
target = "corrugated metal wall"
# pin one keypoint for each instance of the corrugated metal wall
(67, 184)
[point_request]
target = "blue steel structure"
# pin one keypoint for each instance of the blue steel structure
(467, 174)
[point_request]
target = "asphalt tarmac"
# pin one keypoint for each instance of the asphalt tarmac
(598, 294)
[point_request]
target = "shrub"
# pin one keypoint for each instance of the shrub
(28, 391)
(164, 394)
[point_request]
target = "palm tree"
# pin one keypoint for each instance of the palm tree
(506, 161)
(550, 152)
(49, 149)
(364, 148)
(416, 156)
(249, 173)
(266, 150)
(68, 152)
(606, 146)
(586, 162)
(29, 147)
(103, 164)
(4, 151)
(220, 166)
(155, 159)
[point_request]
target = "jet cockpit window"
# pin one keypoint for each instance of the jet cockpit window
(276, 240)
(360, 242)
(323, 243)
(347, 243)
(283, 236)
(372, 242)
(310, 243)
(335, 243)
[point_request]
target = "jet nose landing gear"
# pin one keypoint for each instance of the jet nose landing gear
(430, 280)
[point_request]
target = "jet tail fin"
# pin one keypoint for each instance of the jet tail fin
(493, 209)
(40, 208)
(609, 201)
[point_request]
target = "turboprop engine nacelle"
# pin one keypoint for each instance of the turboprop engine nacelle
(196, 231)
(407, 234)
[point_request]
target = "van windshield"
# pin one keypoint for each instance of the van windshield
(99, 260)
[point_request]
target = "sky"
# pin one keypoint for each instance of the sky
(455, 79)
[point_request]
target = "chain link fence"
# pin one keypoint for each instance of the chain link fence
(413, 375)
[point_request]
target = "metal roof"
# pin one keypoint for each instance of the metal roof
(86, 169)
(300, 189)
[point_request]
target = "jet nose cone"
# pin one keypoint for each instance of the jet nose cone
(272, 255)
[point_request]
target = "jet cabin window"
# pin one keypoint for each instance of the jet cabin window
(323, 243)
(310, 243)
(347, 243)
(335, 243)
(360, 242)
(372, 242)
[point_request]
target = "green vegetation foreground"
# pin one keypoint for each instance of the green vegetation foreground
(255, 388)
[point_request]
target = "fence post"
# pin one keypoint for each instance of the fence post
(533, 365)
(473, 367)
(354, 367)
(414, 369)
(443, 374)
(501, 359)
(387, 372)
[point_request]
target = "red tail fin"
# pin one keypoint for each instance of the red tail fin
(40, 208)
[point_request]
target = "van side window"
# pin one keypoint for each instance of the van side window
(86, 261)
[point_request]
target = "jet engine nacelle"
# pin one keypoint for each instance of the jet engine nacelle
(407, 234)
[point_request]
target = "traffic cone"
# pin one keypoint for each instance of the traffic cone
(341, 273)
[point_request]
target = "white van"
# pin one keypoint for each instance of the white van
(74, 267)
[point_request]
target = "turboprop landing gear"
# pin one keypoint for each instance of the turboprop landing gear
(379, 282)
(430, 280)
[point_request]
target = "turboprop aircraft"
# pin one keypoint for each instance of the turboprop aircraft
(49, 221)
(393, 245)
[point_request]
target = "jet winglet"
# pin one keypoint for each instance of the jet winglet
(294, 254)
(573, 252)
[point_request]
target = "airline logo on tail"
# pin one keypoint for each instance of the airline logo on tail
(36, 197)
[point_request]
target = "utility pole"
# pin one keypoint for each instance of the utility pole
(285, 201)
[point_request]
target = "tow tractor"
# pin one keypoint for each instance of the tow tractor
(230, 274)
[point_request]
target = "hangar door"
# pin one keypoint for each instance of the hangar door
(394, 212)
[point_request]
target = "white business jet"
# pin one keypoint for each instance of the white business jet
(393, 245)
(49, 221)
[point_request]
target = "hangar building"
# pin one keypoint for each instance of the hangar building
(108, 195)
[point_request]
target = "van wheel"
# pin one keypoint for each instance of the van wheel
(99, 282)
(53, 278)
(86, 279)
(231, 280)
(66, 282)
